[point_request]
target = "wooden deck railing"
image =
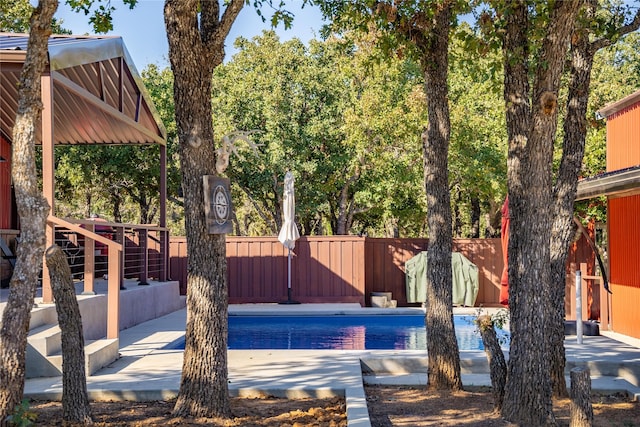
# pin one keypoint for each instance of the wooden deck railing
(113, 250)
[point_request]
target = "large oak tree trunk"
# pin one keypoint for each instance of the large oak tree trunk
(32, 209)
(531, 128)
(196, 32)
(442, 346)
(581, 409)
(583, 52)
(75, 400)
(575, 130)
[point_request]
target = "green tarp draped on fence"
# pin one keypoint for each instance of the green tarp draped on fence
(464, 278)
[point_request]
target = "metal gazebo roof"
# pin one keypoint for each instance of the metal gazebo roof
(97, 94)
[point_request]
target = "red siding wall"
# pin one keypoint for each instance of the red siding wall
(624, 255)
(623, 138)
(5, 184)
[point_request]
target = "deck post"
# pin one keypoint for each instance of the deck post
(89, 262)
(120, 238)
(143, 244)
(48, 175)
(113, 293)
(164, 233)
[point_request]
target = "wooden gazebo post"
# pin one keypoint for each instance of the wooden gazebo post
(164, 235)
(48, 174)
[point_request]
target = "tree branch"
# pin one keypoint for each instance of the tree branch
(624, 30)
(229, 16)
(210, 20)
(261, 212)
(216, 30)
(413, 28)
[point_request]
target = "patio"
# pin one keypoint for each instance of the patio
(147, 371)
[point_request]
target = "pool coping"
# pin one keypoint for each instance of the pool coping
(317, 309)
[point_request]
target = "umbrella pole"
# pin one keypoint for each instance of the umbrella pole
(289, 300)
(289, 277)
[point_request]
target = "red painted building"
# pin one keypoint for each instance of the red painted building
(621, 185)
(5, 184)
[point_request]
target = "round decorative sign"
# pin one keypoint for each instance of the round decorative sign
(218, 205)
(221, 204)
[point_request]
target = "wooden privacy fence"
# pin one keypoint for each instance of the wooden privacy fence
(385, 260)
(334, 269)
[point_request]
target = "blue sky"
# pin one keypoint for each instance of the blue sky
(142, 28)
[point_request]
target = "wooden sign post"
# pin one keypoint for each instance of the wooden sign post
(217, 204)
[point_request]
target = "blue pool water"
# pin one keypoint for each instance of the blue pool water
(341, 332)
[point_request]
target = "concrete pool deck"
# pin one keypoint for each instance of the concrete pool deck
(147, 371)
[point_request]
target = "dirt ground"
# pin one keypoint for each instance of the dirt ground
(267, 411)
(388, 406)
(417, 407)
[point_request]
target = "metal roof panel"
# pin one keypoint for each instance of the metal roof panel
(609, 183)
(619, 105)
(99, 97)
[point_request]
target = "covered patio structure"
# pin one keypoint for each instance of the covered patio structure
(91, 94)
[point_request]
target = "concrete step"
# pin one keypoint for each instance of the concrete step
(43, 314)
(97, 354)
(629, 371)
(44, 352)
(475, 362)
(45, 339)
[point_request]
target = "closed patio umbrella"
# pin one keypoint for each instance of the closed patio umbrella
(289, 232)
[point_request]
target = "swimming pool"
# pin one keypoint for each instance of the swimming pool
(343, 332)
